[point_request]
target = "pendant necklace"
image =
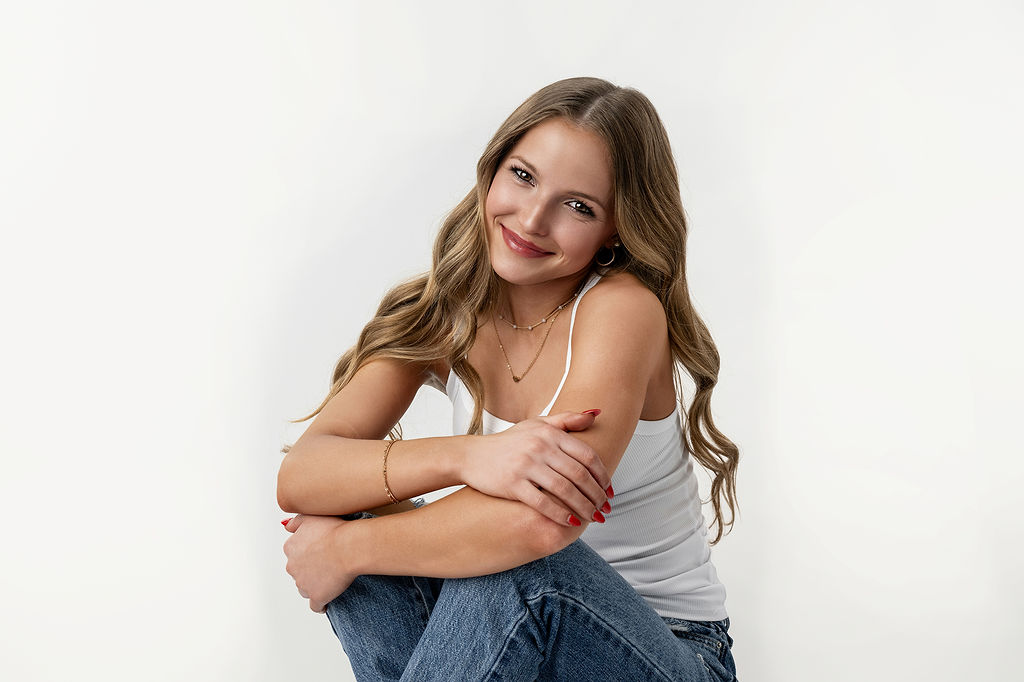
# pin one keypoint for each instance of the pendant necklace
(508, 364)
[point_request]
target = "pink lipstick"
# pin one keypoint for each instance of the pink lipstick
(521, 246)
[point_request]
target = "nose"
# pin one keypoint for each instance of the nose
(532, 216)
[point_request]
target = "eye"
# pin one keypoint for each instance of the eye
(580, 207)
(575, 204)
(522, 174)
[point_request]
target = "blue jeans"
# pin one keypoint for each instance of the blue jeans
(568, 616)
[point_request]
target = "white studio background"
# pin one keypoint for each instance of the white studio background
(202, 203)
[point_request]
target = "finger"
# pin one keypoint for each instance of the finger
(588, 457)
(581, 477)
(294, 523)
(571, 421)
(545, 504)
(567, 494)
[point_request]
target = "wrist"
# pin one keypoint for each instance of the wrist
(350, 550)
(459, 457)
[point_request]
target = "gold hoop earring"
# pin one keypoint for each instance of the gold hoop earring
(611, 260)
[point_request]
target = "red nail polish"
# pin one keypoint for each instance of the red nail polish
(611, 493)
(606, 507)
(573, 521)
(594, 412)
(599, 517)
(285, 522)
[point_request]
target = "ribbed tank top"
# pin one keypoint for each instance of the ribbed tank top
(655, 535)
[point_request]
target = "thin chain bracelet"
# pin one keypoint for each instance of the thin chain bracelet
(387, 489)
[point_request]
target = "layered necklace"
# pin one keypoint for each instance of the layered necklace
(547, 319)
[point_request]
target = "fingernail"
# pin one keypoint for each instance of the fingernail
(611, 493)
(594, 412)
(606, 507)
(573, 521)
(599, 517)
(285, 522)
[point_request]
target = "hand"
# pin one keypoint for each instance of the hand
(314, 560)
(538, 463)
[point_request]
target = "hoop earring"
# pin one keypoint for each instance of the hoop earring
(611, 260)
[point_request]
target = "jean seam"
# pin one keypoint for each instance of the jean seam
(711, 675)
(609, 627)
(722, 647)
(423, 599)
(508, 640)
(717, 645)
(720, 650)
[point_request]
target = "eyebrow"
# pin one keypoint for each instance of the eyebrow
(529, 167)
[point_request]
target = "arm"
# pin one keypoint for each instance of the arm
(335, 467)
(615, 353)
(469, 533)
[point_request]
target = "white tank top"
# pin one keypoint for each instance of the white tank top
(655, 535)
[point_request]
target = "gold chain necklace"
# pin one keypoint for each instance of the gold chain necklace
(546, 318)
(508, 364)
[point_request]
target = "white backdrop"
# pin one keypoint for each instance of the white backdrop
(202, 203)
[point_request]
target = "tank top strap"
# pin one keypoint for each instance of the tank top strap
(594, 279)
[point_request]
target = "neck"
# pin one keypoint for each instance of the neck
(529, 303)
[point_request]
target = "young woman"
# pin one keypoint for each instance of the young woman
(555, 316)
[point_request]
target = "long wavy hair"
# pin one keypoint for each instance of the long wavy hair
(434, 315)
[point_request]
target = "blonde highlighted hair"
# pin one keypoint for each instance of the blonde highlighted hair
(433, 316)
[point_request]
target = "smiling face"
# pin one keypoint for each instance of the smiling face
(549, 208)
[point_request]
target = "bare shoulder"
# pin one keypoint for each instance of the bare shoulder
(620, 330)
(620, 304)
(619, 344)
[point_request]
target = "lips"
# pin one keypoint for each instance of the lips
(520, 245)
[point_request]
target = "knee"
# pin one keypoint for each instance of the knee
(515, 585)
(371, 595)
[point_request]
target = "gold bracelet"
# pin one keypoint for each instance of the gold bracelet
(387, 449)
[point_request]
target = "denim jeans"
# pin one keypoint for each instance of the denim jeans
(568, 616)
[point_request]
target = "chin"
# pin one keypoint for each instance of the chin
(512, 274)
(516, 273)
(523, 275)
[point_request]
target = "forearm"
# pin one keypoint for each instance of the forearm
(331, 475)
(462, 535)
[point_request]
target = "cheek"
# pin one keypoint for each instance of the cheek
(493, 208)
(583, 240)
(498, 202)
(489, 207)
(588, 249)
